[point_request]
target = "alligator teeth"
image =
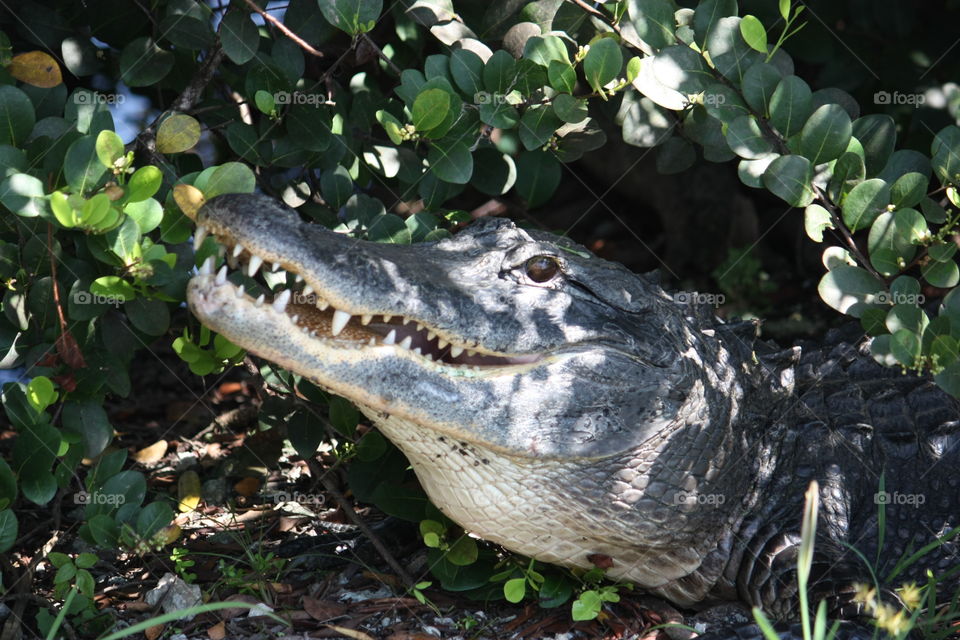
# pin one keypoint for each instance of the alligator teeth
(294, 318)
(406, 342)
(221, 251)
(429, 357)
(254, 265)
(222, 276)
(340, 320)
(307, 290)
(366, 318)
(441, 343)
(419, 327)
(275, 266)
(406, 321)
(391, 337)
(471, 352)
(206, 269)
(297, 278)
(232, 261)
(260, 300)
(418, 351)
(387, 318)
(431, 335)
(237, 250)
(199, 236)
(455, 351)
(240, 291)
(373, 342)
(322, 305)
(280, 302)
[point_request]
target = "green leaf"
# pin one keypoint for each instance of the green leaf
(81, 166)
(942, 252)
(848, 171)
(941, 274)
(178, 133)
(675, 155)
(707, 14)
(149, 316)
(144, 182)
(878, 135)
(753, 33)
(537, 126)
(451, 160)
(945, 150)
(654, 21)
(790, 105)
(909, 189)
(88, 419)
(430, 109)
(905, 347)
(389, 228)
(310, 126)
(153, 517)
(538, 175)
(562, 76)
(826, 134)
(500, 72)
(466, 67)
(463, 552)
(849, 289)
(886, 246)
(730, 53)
(352, 16)
(541, 49)
(148, 214)
(239, 36)
(109, 148)
(746, 139)
(602, 63)
(143, 63)
(494, 173)
(815, 220)
(230, 177)
(570, 109)
(113, 287)
(784, 7)
(17, 116)
(587, 606)
(515, 589)
(8, 530)
(40, 393)
(865, 202)
(790, 177)
(23, 195)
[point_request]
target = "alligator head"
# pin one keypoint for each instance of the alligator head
(548, 400)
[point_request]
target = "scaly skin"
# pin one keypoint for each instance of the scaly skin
(598, 416)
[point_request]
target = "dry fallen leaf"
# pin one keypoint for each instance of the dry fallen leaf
(153, 453)
(247, 487)
(217, 631)
(154, 632)
(188, 491)
(323, 609)
(350, 633)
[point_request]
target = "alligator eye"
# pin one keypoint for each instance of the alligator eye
(542, 268)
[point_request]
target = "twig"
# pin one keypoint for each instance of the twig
(390, 63)
(358, 521)
(845, 234)
(303, 44)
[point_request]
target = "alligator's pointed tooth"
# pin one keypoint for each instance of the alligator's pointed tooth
(232, 261)
(298, 278)
(387, 318)
(275, 266)
(455, 351)
(294, 318)
(281, 300)
(441, 343)
(418, 351)
(373, 342)
(237, 250)
(419, 327)
(366, 318)
(431, 335)
(206, 269)
(471, 352)
(391, 337)
(406, 342)
(240, 291)
(406, 321)
(322, 305)
(254, 265)
(260, 300)
(222, 276)
(340, 320)
(428, 357)
(308, 290)
(221, 251)
(199, 236)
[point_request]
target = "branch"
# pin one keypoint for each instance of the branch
(303, 44)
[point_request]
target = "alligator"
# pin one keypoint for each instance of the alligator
(572, 411)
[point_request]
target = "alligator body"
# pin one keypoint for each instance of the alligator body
(568, 409)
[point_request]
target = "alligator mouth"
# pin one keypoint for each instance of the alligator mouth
(304, 306)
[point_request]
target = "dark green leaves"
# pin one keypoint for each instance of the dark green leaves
(754, 33)
(848, 289)
(143, 63)
(602, 63)
(451, 160)
(790, 105)
(826, 134)
(790, 177)
(653, 21)
(946, 155)
(16, 115)
(430, 109)
(352, 16)
(878, 135)
(865, 202)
